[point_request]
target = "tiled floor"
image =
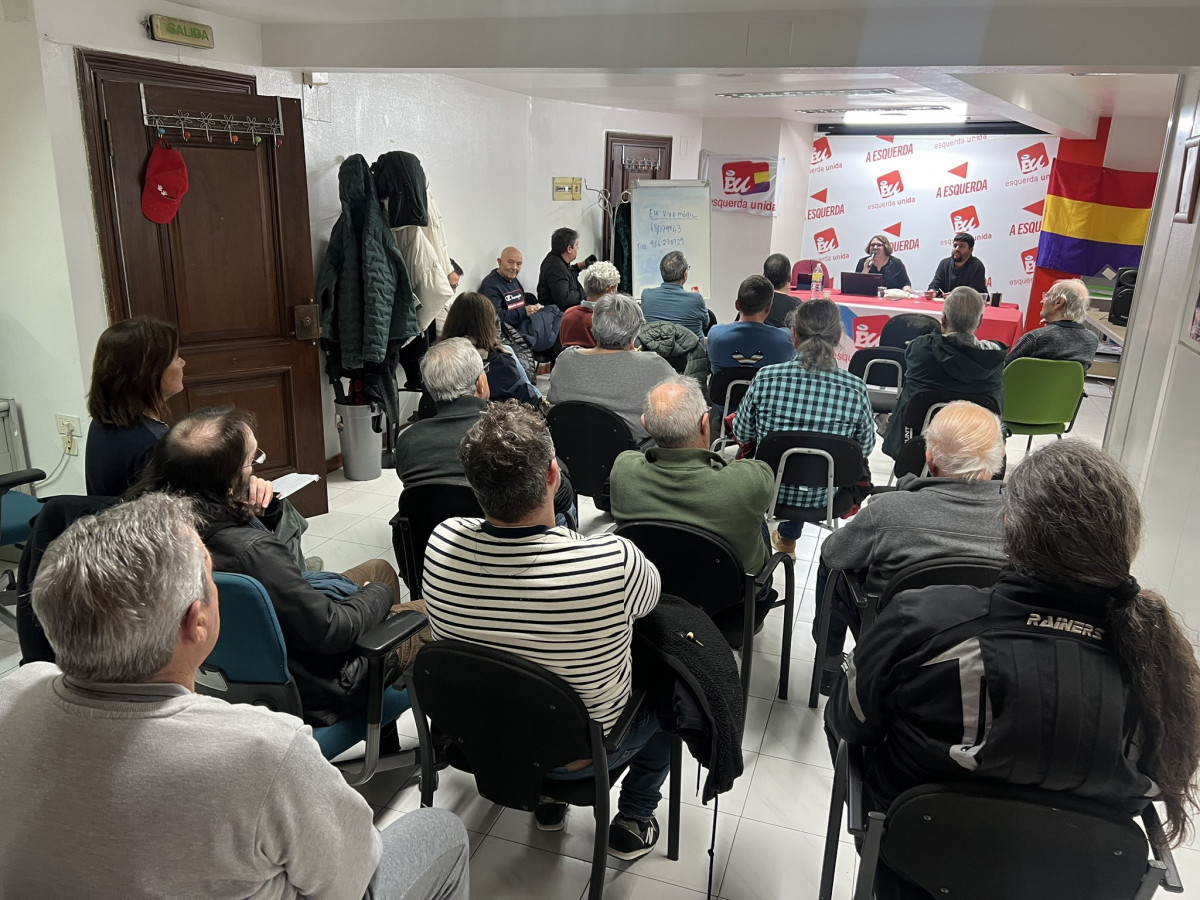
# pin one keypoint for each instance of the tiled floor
(771, 824)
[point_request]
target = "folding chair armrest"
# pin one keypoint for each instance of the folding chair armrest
(856, 811)
(620, 730)
(768, 571)
(389, 633)
(1162, 853)
(10, 480)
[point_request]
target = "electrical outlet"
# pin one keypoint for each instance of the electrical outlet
(70, 444)
(68, 425)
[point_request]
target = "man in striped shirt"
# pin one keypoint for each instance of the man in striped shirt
(516, 582)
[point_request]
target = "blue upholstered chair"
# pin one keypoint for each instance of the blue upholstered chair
(249, 665)
(16, 511)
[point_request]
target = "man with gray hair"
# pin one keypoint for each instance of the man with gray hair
(669, 302)
(176, 794)
(952, 360)
(1063, 334)
(681, 480)
(953, 511)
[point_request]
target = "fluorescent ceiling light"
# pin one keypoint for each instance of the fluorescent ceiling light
(876, 109)
(929, 116)
(848, 92)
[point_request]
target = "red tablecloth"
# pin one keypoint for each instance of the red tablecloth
(1000, 323)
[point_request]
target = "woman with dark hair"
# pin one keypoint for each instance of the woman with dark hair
(472, 316)
(1065, 675)
(879, 261)
(136, 370)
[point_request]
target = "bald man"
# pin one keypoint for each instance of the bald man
(502, 288)
(953, 511)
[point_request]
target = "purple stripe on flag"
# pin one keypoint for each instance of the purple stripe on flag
(1070, 254)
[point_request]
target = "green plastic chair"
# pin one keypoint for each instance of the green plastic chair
(1042, 396)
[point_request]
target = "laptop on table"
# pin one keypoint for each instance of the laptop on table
(861, 285)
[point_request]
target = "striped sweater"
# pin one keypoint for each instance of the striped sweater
(552, 596)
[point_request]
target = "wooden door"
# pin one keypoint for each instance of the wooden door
(229, 269)
(630, 158)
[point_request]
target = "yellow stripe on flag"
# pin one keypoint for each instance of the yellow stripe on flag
(1095, 221)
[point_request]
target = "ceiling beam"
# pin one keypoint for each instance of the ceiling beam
(1015, 97)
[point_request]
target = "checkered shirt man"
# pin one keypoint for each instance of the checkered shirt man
(789, 397)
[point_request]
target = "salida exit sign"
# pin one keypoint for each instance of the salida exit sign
(179, 31)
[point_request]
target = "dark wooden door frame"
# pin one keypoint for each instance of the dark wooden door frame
(662, 143)
(94, 69)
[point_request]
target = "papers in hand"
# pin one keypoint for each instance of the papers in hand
(286, 485)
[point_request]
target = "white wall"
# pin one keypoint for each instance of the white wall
(1135, 144)
(795, 146)
(39, 356)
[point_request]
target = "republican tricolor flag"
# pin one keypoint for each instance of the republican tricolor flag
(1094, 217)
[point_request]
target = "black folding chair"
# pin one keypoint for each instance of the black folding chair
(726, 388)
(882, 371)
(815, 460)
(703, 569)
(589, 438)
(510, 722)
(987, 840)
(422, 507)
(899, 330)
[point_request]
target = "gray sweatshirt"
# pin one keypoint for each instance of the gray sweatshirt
(923, 519)
(149, 790)
(616, 381)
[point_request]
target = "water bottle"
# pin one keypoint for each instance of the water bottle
(818, 276)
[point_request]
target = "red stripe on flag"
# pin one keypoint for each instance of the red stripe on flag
(1093, 184)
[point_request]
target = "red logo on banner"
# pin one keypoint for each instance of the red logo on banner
(867, 330)
(746, 177)
(899, 245)
(1029, 260)
(1037, 209)
(826, 240)
(960, 171)
(885, 137)
(821, 152)
(890, 184)
(893, 230)
(965, 219)
(821, 196)
(1031, 159)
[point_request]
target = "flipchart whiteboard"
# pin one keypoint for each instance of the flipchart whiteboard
(666, 216)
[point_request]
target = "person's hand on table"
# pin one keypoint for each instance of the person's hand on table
(261, 494)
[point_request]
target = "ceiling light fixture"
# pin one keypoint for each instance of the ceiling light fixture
(874, 109)
(848, 92)
(928, 116)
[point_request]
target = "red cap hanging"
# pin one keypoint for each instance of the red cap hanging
(166, 183)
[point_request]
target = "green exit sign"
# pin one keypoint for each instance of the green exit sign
(179, 31)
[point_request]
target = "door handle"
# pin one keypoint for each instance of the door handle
(307, 322)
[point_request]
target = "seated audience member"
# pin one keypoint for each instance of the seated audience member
(954, 511)
(504, 290)
(429, 448)
(749, 341)
(1063, 334)
(954, 360)
(207, 457)
(517, 583)
(611, 374)
(670, 302)
(558, 279)
(177, 794)
(472, 317)
(807, 393)
(681, 480)
(879, 261)
(777, 269)
(1065, 675)
(598, 279)
(136, 370)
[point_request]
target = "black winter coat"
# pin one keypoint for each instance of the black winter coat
(558, 283)
(319, 632)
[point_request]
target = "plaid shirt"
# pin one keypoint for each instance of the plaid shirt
(789, 397)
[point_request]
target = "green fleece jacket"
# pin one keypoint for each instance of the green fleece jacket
(699, 488)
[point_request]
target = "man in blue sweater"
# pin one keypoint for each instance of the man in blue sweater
(669, 302)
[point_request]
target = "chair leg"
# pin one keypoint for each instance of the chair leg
(864, 889)
(673, 822)
(785, 653)
(747, 651)
(1029, 443)
(825, 613)
(837, 800)
(600, 843)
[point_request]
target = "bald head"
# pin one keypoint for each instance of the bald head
(509, 263)
(675, 413)
(964, 441)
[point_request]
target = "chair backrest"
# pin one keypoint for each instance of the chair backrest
(802, 272)
(421, 508)
(968, 570)
(901, 329)
(697, 565)
(924, 405)
(1042, 391)
(811, 471)
(994, 841)
(511, 720)
(249, 662)
(588, 438)
(879, 367)
(911, 459)
(719, 385)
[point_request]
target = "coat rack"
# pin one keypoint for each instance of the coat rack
(232, 127)
(609, 209)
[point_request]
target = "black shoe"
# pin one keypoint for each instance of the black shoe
(550, 815)
(631, 839)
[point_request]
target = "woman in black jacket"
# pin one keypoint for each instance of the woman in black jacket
(208, 457)
(879, 261)
(474, 317)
